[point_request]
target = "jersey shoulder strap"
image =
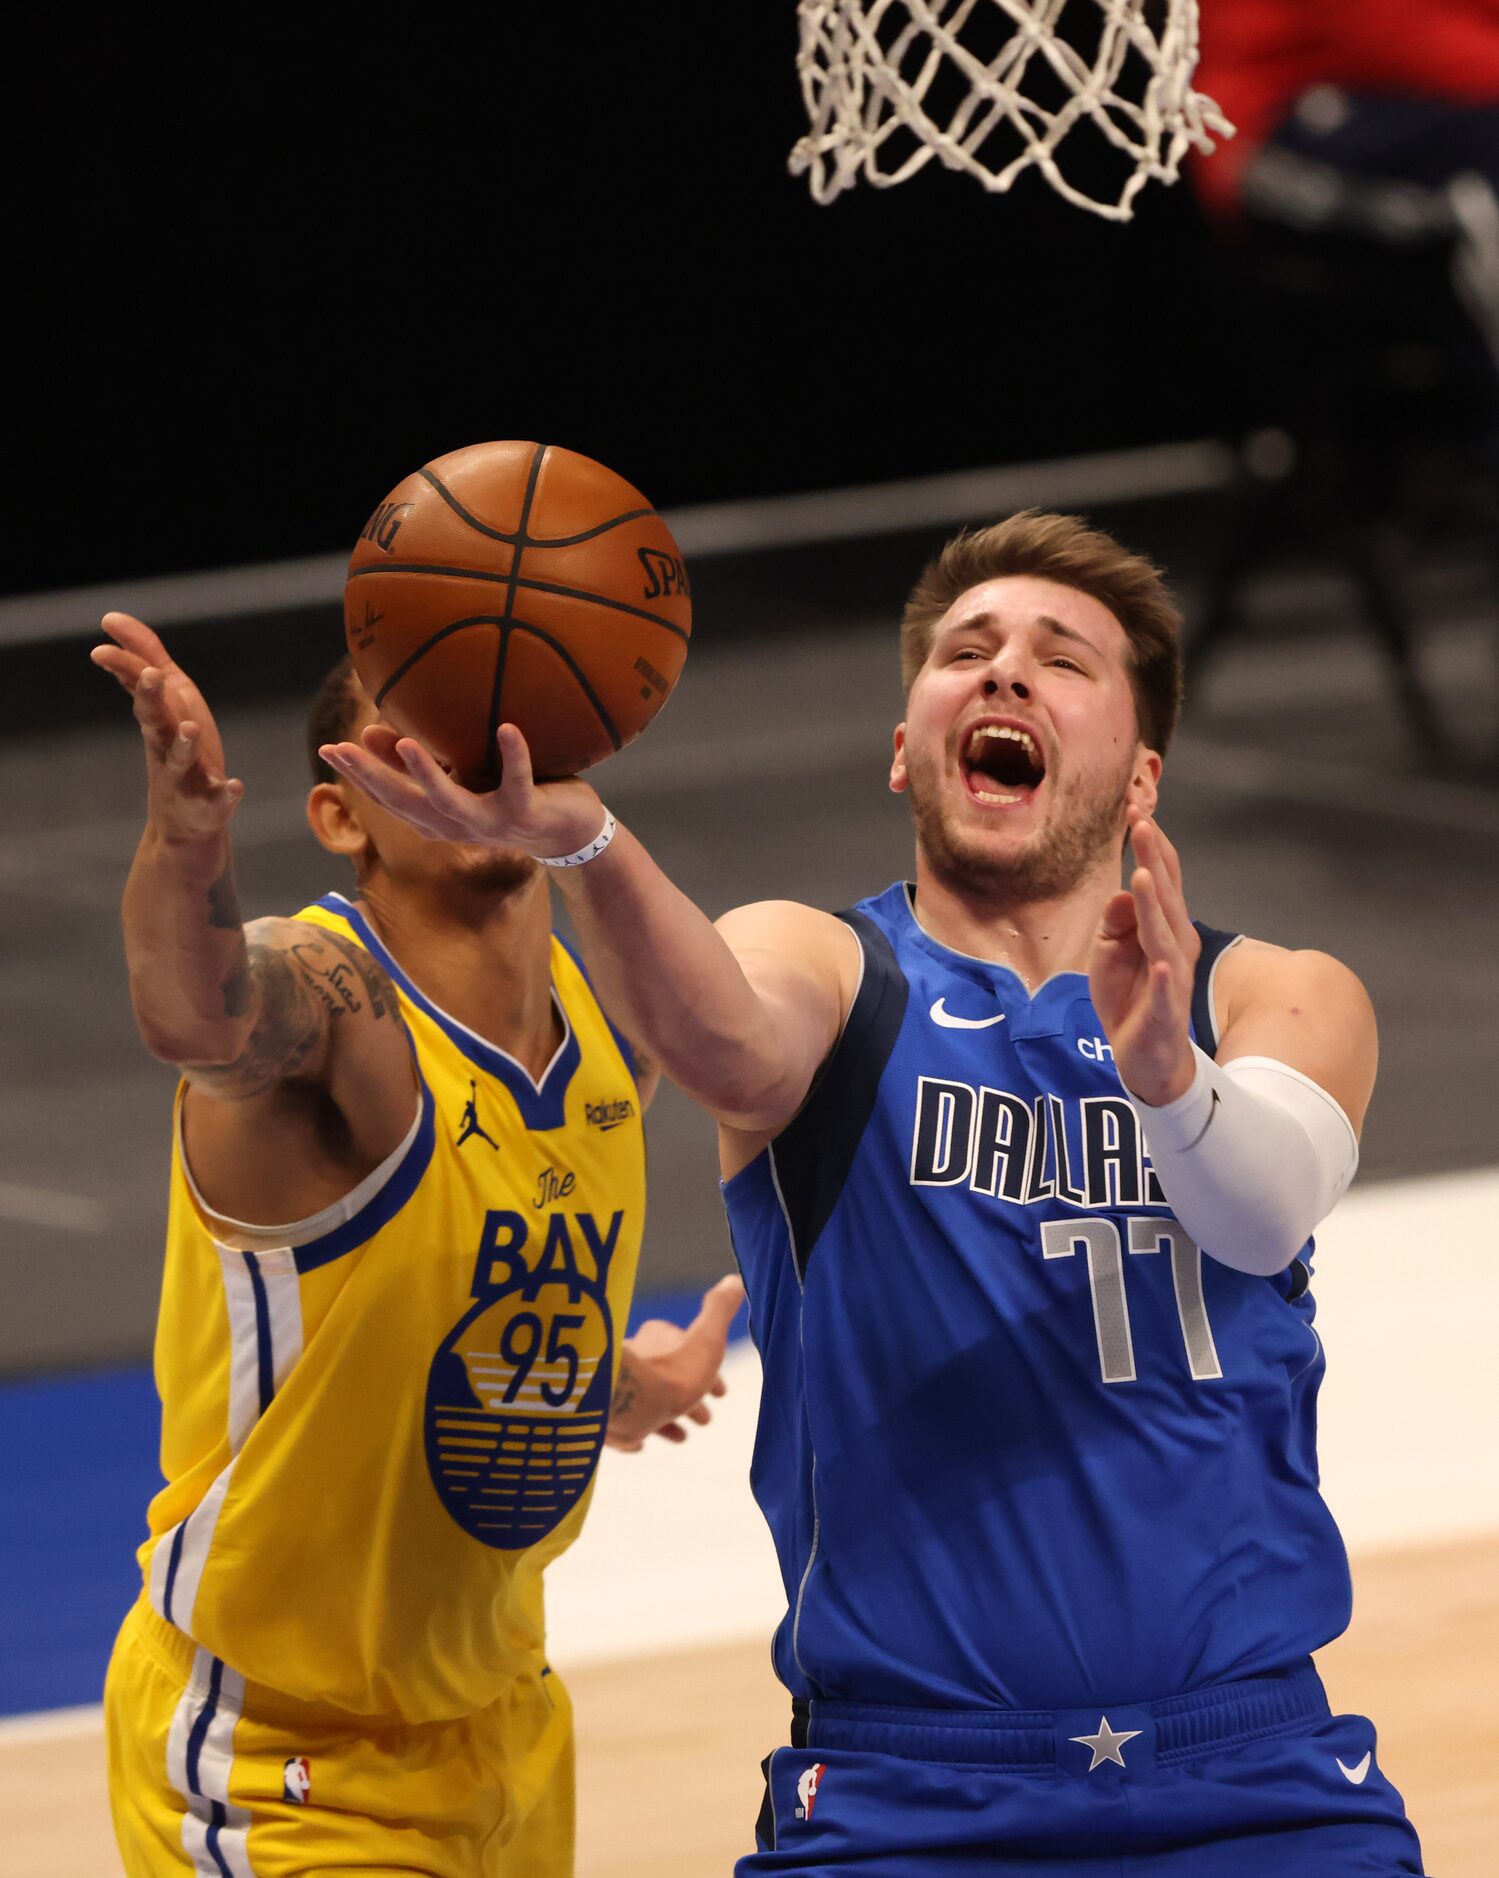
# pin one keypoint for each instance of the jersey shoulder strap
(1214, 945)
(813, 1153)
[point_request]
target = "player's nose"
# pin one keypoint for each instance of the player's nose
(1006, 678)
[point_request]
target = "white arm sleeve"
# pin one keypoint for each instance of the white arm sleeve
(1250, 1159)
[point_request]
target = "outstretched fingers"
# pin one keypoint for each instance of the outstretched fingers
(379, 767)
(153, 710)
(1158, 938)
(124, 667)
(1120, 921)
(461, 812)
(1157, 857)
(517, 778)
(135, 637)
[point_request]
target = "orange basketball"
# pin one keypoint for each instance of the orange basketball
(517, 583)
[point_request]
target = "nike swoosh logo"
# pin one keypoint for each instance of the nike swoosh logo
(941, 1015)
(1356, 1773)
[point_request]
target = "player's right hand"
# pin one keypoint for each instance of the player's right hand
(402, 775)
(189, 793)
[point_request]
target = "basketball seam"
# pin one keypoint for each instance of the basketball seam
(443, 632)
(491, 764)
(532, 586)
(532, 479)
(584, 684)
(521, 538)
(508, 626)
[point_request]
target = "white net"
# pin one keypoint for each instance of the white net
(992, 87)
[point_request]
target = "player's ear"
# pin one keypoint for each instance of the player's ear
(333, 823)
(899, 776)
(1145, 784)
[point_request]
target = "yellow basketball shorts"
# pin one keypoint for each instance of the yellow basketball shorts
(211, 1774)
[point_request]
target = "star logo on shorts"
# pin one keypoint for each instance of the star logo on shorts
(1105, 1745)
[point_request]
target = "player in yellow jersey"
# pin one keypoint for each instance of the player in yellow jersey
(406, 1206)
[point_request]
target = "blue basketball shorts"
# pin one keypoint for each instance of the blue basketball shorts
(1254, 1779)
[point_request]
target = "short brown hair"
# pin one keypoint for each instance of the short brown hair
(1065, 549)
(332, 715)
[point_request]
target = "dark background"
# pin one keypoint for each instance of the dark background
(266, 271)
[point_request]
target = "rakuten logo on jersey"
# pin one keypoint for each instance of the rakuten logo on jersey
(607, 1115)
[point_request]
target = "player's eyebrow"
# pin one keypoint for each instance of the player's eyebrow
(986, 621)
(1059, 631)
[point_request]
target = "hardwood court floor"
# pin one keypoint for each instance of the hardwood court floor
(669, 1746)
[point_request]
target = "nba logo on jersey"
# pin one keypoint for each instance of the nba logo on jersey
(806, 1790)
(296, 1780)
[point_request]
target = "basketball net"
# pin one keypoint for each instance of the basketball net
(890, 84)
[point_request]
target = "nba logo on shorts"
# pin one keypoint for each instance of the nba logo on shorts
(296, 1780)
(806, 1790)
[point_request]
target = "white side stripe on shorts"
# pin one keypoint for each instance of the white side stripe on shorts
(200, 1755)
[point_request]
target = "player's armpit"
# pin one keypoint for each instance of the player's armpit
(1304, 1009)
(803, 967)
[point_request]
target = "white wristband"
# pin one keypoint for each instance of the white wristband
(583, 855)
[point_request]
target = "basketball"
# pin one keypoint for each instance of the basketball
(517, 583)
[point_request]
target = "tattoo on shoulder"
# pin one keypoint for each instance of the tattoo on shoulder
(288, 1028)
(302, 990)
(353, 981)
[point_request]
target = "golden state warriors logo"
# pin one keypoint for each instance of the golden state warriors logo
(518, 1395)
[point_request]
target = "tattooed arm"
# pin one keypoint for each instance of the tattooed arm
(184, 941)
(292, 985)
(293, 1031)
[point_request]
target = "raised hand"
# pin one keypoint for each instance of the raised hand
(189, 793)
(402, 775)
(1140, 971)
(667, 1374)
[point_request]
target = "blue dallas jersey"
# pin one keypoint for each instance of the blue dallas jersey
(1021, 1444)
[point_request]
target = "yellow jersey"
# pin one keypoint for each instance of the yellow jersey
(380, 1424)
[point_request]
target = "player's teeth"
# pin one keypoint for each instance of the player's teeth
(1021, 737)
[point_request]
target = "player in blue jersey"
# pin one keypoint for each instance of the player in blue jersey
(1022, 1170)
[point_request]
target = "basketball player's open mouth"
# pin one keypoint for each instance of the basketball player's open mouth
(1002, 764)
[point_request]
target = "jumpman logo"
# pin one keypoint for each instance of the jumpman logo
(470, 1124)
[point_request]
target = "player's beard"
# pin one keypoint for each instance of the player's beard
(1082, 827)
(493, 873)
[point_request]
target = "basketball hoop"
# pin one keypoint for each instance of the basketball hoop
(890, 84)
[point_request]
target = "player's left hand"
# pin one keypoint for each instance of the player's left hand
(1140, 971)
(666, 1374)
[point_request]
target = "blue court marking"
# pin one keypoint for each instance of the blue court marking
(78, 1464)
